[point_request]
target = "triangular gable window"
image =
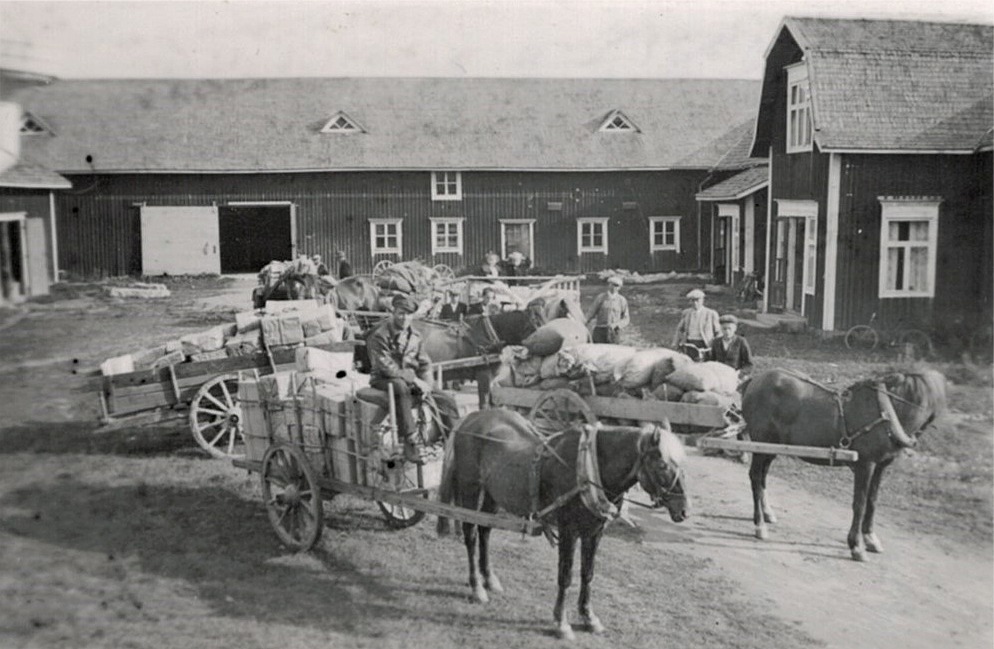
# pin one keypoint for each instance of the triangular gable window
(342, 123)
(618, 122)
(31, 125)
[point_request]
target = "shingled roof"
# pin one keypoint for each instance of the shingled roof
(25, 175)
(264, 125)
(882, 85)
(738, 186)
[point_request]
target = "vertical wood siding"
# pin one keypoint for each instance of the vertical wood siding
(99, 225)
(35, 202)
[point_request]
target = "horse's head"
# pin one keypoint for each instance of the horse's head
(660, 470)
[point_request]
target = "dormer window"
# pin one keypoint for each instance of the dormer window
(342, 123)
(31, 125)
(616, 122)
(798, 109)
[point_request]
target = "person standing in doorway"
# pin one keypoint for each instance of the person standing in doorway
(609, 313)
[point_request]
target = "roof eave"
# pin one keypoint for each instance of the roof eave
(830, 149)
(733, 197)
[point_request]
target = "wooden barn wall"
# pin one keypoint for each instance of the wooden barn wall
(99, 224)
(36, 203)
(963, 272)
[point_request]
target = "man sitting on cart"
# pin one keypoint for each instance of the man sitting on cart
(397, 356)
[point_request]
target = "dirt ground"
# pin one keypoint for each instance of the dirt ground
(136, 539)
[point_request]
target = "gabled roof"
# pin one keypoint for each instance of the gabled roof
(738, 186)
(891, 86)
(253, 125)
(25, 175)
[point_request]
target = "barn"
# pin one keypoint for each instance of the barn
(206, 176)
(878, 135)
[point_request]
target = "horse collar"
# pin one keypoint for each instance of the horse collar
(588, 476)
(887, 415)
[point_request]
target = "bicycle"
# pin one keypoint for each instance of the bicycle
(747, 291)
(866, 338)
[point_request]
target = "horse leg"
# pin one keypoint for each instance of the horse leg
(490, 580)
(567, 547)
(872, 542)
(761, 514)
(863, 477)
(768, 515)
(469, 531)
(588, 551)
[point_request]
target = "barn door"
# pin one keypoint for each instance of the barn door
(37, 256)
(180, 240)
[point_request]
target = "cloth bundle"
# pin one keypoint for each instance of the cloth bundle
(555, 335)
(606, 363)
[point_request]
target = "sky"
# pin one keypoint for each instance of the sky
(439, 38)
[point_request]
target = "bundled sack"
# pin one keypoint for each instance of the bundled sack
(667, 392)
(705, 377)
(709, 399)
(639, 370)
(206, 341)
(666, 366)
(527, 372)
(549, 368)
(604, 362)
(555, 335)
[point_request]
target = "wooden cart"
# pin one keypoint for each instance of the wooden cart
(204, 393)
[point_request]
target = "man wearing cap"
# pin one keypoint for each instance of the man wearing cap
(699, 325)
(344, 267)
(397, 356)
(609, 313)
(453, 309)
(730, 348)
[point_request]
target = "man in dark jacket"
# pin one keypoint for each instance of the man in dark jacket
(397, 356)
(730, 348)
(344, 267)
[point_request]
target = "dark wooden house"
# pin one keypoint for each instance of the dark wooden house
(189, 176)
(878, 140)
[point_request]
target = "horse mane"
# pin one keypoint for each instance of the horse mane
(924, 387)
(670, 448)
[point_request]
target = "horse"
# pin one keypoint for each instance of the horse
(877, 418)
(355, 293)
(497, 459)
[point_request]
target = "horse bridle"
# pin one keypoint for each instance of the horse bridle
(640, 473)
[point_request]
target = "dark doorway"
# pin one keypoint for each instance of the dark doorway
(253, 235)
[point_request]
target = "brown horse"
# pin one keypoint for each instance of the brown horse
(489, 464)
(355, 293)
(877, 418)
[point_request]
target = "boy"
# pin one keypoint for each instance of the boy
(730, 348)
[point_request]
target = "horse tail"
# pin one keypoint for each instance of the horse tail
(447, 486)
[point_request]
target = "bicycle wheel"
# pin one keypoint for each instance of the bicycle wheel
(862, 338)
(919, 342)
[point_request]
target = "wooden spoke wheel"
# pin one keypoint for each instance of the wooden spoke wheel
(381, 266)
(292, 496)
(398, 517)
(559, 409)
(862, 338)
(216, 417)
(443, 272)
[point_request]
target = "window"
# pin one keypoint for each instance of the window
(342, 123)
(798, 109)
(616, 121)
(591, 235)
(446, 186)
(446, 235)
(386, 236)
(909, 230)
(664, 233)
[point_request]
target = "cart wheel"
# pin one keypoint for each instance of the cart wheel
(292, 496)
(921, 344)
(862, 338)
(381, 266)
(559, 409)
(215, 417)
(397, 517)
(443, 272)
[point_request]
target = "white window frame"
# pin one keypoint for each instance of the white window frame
(810, 254)
(909, 209)
(602, 222)
(398, 250)
(446, 221)
(800, 126)
(653, 221)
(442, 177)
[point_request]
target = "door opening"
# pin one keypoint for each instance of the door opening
(254, 235)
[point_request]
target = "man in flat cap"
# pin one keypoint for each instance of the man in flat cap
(397, 356)
(730, 348)
(609, 313)
(698, 326)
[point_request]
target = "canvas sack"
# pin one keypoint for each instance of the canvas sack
(555, 335)
(705, 377)
(638, 372)
(604, 362)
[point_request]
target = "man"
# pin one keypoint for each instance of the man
(453, 309)
(344, 267)
(398, 358)
(487, 306)
(730, 348)
(490, 267)
(698, 325)
(609, 313)
(322, 270)
(515, 265)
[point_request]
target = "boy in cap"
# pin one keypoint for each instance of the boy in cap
(609, 313)
(730, 348)
(698, 326)
(397, 356)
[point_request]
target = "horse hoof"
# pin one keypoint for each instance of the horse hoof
(770, 518)
(761, 533)
(594, 626)
(873, 544)
(858, 555)
(481, 597)
(565, 632)
(493, 585)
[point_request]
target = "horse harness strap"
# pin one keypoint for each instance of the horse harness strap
(588, 476)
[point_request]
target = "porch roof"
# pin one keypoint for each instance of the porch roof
(738, 186)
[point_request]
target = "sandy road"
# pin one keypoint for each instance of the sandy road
(915, 595)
